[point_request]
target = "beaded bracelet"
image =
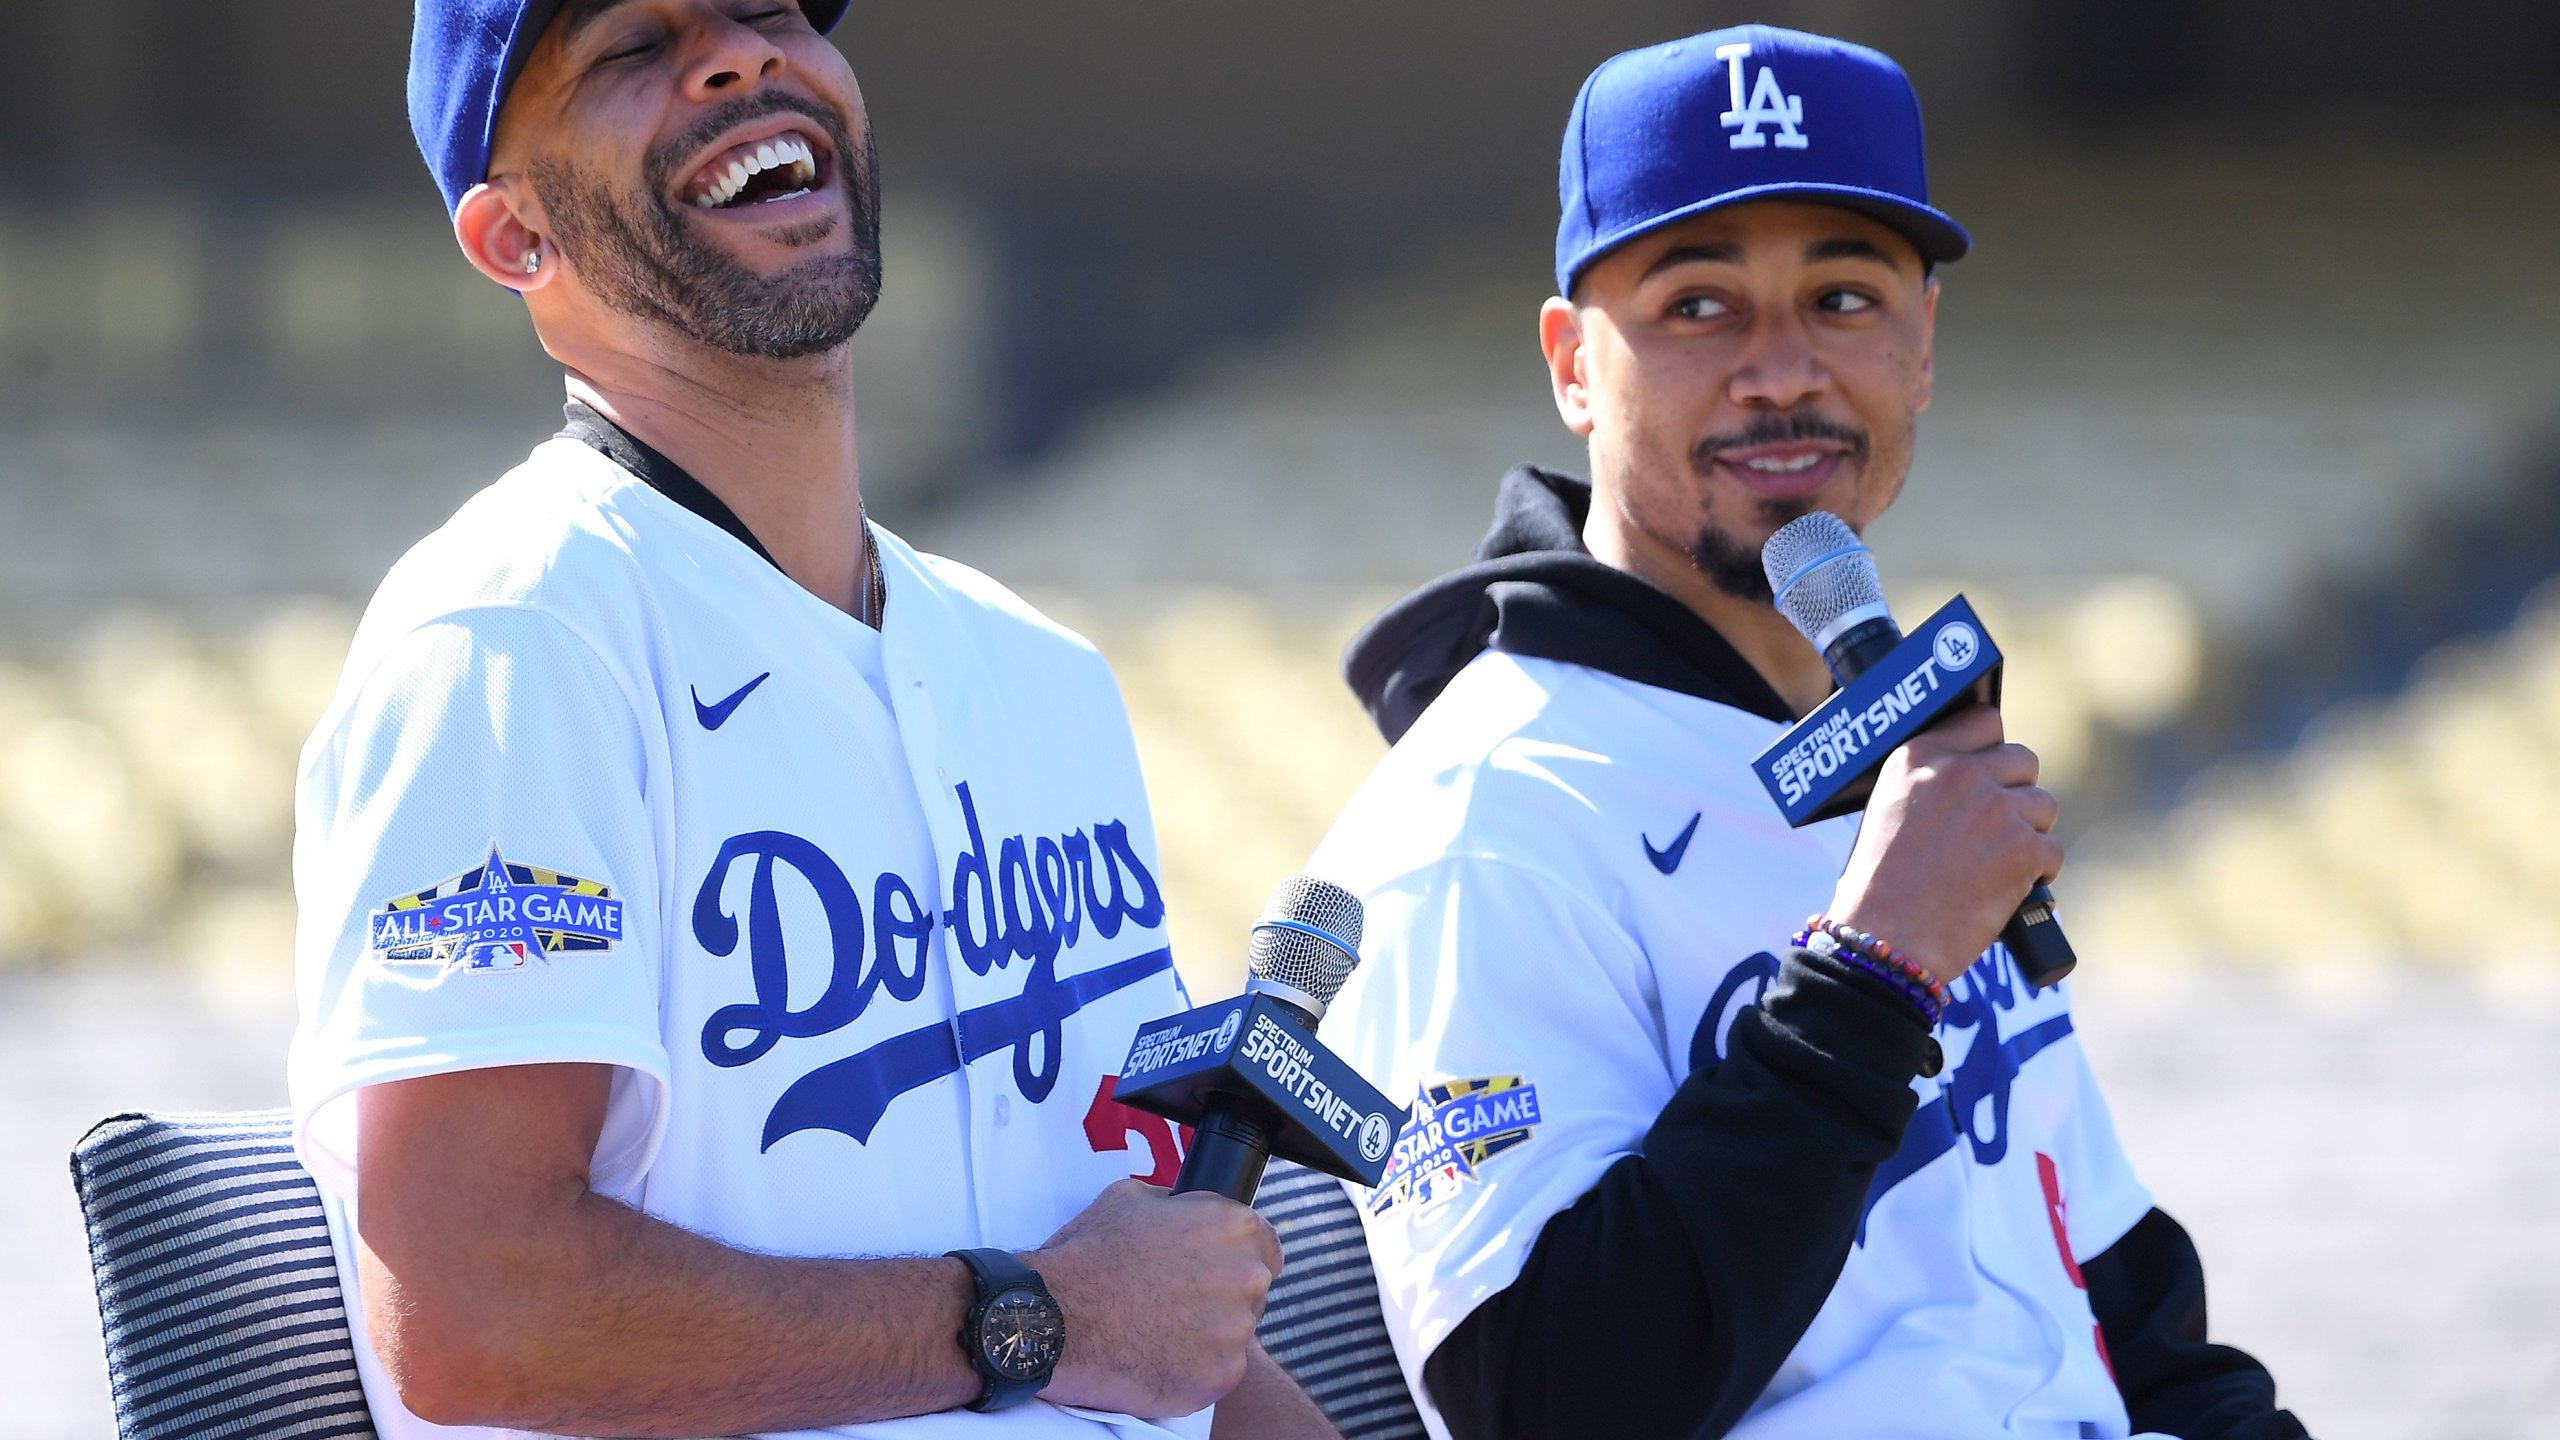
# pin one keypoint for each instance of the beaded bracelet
(1871, 954)
(1902, 985)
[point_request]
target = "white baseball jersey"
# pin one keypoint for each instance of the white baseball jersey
(862, 920)
(1574, 882)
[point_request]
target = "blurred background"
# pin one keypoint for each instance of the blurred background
(1210, 328)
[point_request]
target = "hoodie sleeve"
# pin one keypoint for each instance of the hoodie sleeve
(2148, 1292)
(1726, 1231)
(1556, 1179)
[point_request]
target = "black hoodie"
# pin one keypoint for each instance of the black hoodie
(1662, 1302)
(1535, 591)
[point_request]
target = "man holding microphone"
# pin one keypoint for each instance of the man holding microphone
(1684, 1161)
(719, 921)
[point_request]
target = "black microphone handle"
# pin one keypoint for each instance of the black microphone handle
(1229, 1147)
(2034, 935)
(1860, 649)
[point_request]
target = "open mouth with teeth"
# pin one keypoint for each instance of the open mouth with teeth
(1793, 465)
(759, 172)
(1783, 471)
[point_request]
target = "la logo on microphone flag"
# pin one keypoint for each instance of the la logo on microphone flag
(1825, 765)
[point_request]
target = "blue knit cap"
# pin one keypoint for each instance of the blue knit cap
(1750, 113)
(463, 54)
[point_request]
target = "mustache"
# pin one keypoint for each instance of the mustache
(1771, 429)
(660, 165)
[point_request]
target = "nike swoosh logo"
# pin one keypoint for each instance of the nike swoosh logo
(1667, 859)
(715, 716)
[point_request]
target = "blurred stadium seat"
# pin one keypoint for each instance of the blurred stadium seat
(146, 784)
(2174, 401)
(2171, 398)
(2225, 377)
(146, 777)
(2417, 829)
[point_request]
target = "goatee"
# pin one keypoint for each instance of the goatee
(1730, 565)
(1734, 567)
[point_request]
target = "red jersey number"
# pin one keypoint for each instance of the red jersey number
(2054, 1211)
(1110, 1125)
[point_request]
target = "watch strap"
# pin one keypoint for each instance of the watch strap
(997, 1272)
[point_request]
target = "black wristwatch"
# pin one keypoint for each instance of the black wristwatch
(1014, 1333)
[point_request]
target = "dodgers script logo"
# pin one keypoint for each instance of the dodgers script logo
(493, 919)
(1767, 106)
(1032, 902)
(1455, 1128)
(1972, 1103)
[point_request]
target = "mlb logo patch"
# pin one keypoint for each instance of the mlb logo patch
(494, 918)
(1456, 1127)
(493, 955)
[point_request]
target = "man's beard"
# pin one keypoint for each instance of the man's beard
(1730, 565)
(1734, 567)
(642, 259)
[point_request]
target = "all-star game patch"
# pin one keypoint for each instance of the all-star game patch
(1456, 1127)
(496, 917)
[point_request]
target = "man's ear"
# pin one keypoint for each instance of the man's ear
(1928, 344)
(1560, 339)
(498, 227)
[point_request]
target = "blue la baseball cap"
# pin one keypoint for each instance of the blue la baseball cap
(463, 54)
(1751, 113)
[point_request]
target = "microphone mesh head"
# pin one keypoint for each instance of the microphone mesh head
(1820, 571)
(1314, 963)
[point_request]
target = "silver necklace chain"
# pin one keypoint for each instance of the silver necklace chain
(875, 590)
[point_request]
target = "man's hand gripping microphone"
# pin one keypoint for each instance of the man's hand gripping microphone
(1249, 1074)
(1892, 687)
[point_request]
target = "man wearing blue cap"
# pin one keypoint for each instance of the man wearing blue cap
(696, 881)
(1682, 1162)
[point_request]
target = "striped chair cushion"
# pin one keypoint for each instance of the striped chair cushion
(216, 1285)
(220, 1301)
(1323, 1323)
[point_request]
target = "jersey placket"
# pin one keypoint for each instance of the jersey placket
(921, 727)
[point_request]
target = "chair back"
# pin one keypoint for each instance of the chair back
(219, 1296)
(1323, 1323)
(217, 1288)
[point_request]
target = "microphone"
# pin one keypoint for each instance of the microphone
(1826, 585)
(1248, 1075)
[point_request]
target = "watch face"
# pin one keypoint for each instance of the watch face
(1022, 1334)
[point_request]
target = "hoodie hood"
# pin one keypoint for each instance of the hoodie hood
(1533, 590)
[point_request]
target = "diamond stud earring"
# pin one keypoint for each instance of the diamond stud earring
(532, 261)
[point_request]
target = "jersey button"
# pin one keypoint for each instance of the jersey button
(1004, 1110)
